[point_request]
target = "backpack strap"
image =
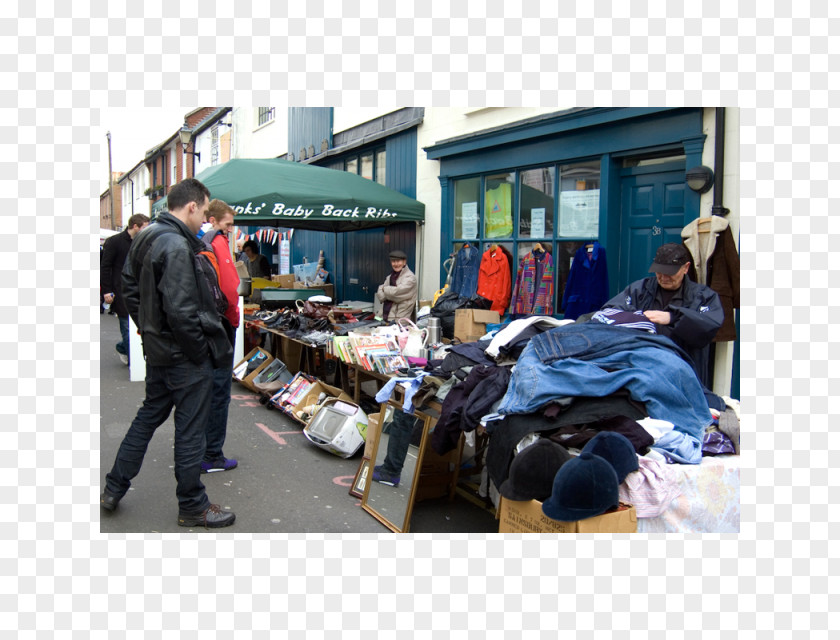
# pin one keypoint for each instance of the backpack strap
(211, 257)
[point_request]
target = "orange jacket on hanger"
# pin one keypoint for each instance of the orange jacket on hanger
(494, 279)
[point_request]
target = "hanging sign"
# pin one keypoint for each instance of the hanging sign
(579, 213)
(285, 253)
(538, 223)
(469, 220)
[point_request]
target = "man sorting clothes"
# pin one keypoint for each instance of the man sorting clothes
(687, 312)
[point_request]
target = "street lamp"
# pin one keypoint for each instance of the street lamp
(185, 133)
(700, 179)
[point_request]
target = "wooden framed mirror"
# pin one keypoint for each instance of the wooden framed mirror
(357, 490)
(400, 443)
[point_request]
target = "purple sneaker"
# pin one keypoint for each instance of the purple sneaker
(383, 477)
(219, 464)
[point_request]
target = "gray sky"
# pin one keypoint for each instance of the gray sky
(133, 132)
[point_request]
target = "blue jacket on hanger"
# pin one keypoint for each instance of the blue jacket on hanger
(465, 271)
(588, 285)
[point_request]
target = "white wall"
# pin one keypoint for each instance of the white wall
(251, 141)
(348, 117)
(140, 176)
(724, 351)
(202, 145)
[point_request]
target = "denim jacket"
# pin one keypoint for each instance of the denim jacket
(465, 271)
(582, 360)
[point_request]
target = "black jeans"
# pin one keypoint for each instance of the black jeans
(187, 387)
(219, 405)
(399, 437)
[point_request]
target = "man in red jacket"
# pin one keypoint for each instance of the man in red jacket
(220, 216)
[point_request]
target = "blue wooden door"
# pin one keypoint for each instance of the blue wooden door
(366, 262)
(653, 211)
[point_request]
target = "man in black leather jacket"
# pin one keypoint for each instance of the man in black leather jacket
(183, 340)
(687, 312)
(114, 252)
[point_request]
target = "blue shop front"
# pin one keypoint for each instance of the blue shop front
(614, 177)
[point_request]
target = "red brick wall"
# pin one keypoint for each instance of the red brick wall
(105, 209)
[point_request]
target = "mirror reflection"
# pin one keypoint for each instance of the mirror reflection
(393, 477)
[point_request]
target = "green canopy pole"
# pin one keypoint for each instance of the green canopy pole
(419, 271)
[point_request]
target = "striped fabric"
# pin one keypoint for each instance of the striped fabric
(629, 319)
(533, 293)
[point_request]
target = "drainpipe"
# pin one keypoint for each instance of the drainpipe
(717, 207)
(132, 195)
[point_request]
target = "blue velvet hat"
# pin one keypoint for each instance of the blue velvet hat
(615, 449)
(585, 487)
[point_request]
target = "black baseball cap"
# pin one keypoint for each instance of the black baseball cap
(396, 254)
(669, 258)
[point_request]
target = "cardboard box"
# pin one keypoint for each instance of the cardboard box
(248, 381)
(311, 398)
(374, 427)
(528, 517)
(470, 324)
(286, 281)
(328, 289)
(432, 486)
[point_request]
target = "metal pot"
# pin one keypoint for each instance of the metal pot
(433, 326)
(244, 288)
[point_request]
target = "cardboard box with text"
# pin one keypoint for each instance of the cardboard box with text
(470, 324)
(527, 517)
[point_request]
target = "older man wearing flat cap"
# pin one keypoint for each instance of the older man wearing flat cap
(687, 312)
(397, 296)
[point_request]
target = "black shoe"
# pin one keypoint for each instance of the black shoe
(108, 500)
(212, 518)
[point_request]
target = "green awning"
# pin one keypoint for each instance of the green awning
(159, 206)
(275, 192)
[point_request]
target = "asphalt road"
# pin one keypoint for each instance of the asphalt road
(283, 484)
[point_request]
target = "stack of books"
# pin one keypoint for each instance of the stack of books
(371, 352)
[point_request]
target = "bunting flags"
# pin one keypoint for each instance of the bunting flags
(264, 235)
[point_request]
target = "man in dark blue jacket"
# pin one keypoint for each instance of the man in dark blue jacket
(111, 262)
(183, 341)
(687, 312)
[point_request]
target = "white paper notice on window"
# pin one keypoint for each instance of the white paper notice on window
(469, 220)
(579, 213)
(538, 223)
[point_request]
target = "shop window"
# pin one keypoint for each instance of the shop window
(555, 205)
(536, 203)
(580, 193)
(370, 165)
(498, 205)
(366, 166)
(214, 145)
(466, 208)
(646, 162)
(264, 115)
(380, 166)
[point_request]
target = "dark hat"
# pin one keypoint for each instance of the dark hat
(669, 258)
(615, 449)
(397, 254)
(585, 487)
(532, 471)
